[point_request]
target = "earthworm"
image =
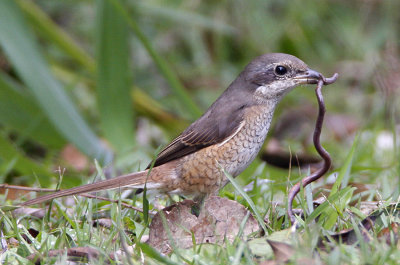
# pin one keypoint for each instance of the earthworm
(327, 161)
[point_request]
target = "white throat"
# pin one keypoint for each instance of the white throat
(274, 91)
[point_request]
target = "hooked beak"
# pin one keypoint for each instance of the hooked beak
(308, 77)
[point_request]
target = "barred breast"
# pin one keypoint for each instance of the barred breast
(201, 172)
(244, 147)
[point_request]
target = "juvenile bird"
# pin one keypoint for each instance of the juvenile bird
(228, 136)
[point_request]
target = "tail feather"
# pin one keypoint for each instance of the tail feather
(138, 178)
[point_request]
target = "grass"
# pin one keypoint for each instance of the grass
(119, 88)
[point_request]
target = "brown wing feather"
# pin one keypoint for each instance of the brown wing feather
(219, 122)
(207, 130)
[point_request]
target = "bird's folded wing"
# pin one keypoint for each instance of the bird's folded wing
(208, 130)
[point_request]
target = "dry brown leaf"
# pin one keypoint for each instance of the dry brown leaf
(219, 218)
(74, 158)
(13, 194)
(103, 222)
(390, 234)
(283, 252)
(35, 212)
(349, 236)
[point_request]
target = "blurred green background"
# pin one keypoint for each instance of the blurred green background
(114, 80)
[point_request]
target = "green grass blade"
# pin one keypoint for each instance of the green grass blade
(9, 153)
(20, 114)
(22, 50)
(324, 206)
(162, 65)
(332, 208)
(116, 112)
(344, 174)
(152, 109)
(49, 30)
(6, 168)
(185, 17)
(154, 254)
(248, 200)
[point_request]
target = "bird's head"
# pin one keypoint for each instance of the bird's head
(273, 75)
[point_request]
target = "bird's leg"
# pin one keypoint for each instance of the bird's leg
(198, 204)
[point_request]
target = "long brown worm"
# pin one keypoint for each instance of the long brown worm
(327, 161)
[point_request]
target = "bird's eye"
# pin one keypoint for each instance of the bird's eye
(280, 70)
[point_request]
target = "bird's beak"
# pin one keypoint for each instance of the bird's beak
(308, 77)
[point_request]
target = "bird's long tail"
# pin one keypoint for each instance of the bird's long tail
(134, 180)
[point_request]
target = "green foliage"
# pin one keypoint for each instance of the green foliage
(22, 50)
(118, 79)
(248, 200)
(113, 77)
